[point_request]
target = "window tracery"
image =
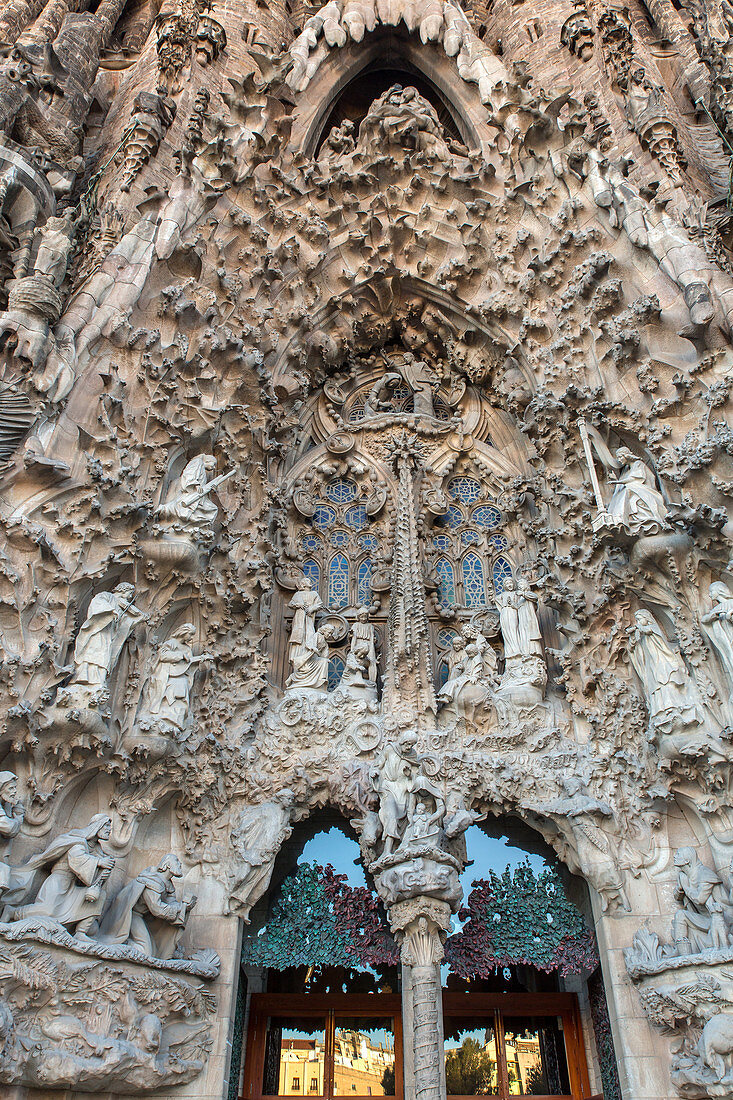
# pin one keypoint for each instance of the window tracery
(337, 548)
(470, 561)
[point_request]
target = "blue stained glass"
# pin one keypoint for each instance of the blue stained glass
(338, 581)
(323, 516)
(486, 516)
(442, 676)
(311, 544)
(446, 582)
(445, 637)
(502, 569)
(465, 489)
(335, 672)
(469, 538)
(341, 490)
(452, 518)
(498, 542)
(356, 517)
(368, 542)
(339, 538)
(444, 543)
(364, 582)
(474, 591)
(313, 572)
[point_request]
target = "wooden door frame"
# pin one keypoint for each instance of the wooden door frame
(329, 1005)
(499, 1005)
(325, 1006)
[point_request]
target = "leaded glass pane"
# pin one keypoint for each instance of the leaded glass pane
(442, 676)
(311, 544)
(364, 582)
(403, 399)
(341, 490)
(338, 581)
(465, 489)
(356, 412)
(498, 542)
(323, 516)
(356, 517)
(502, 569)
(474, 591)
(446, 582)
(368, 542)
(444, 543)
(452, 518)
(445, 637)
(469, 538)
(339, 538)
(486, 516)
(335, 672)
(313, 572)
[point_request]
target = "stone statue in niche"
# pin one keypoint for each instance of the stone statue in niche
(110, 619)
(190, 509)
(12, 813)
(636, 503)
(472, 673)
(673, 703)
(308, 646)
(166, 698)
(703, 921)
(402, 117)
(525, 672)
(718, 625)
(147, 914)
(363, 643)
(257, 836)
(73, 871)
(395, 774)
(55, 238)
(423, 827)
(354, 682)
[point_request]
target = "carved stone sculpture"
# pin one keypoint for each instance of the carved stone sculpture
(12, 813)
(636, 503)
(258, 834)
(111, 618)
(147, 913)
(154, 114)
(703, 919)
(72, 872)
(718, 624)
(674, 707)
(166, 699)
(396, 772)
(402, 117)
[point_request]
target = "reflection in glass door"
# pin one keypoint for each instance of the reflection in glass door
(493, 1048)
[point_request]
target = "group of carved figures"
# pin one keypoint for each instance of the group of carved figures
(64, 888)
(704, 919)
(309, 648)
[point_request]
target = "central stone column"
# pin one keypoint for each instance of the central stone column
(420, 925)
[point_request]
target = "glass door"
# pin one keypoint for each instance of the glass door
(324, 1047)
(509, 1045)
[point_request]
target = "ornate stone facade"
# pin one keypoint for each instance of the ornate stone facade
(364, 444)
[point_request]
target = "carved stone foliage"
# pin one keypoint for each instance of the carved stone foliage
(69, 1022)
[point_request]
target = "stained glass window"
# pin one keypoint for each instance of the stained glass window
(500, 572)
(356, 412)
(323, 516)
(446, 582)
(341, 490)
(335, 672)
(364, 582)
(474, 592)
(469, 538)
(339, 538)
(498, 542)
(338, 581)
(445, 637)
(486, 516)
(313, 572)
(368, 542)
(356, 517)
(452, 518)
(311, 544)
(442, 673)
(444, 543)
(465, 489)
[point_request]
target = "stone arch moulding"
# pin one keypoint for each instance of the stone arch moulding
(387, 48)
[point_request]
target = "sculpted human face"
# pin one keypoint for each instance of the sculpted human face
(105, 830)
